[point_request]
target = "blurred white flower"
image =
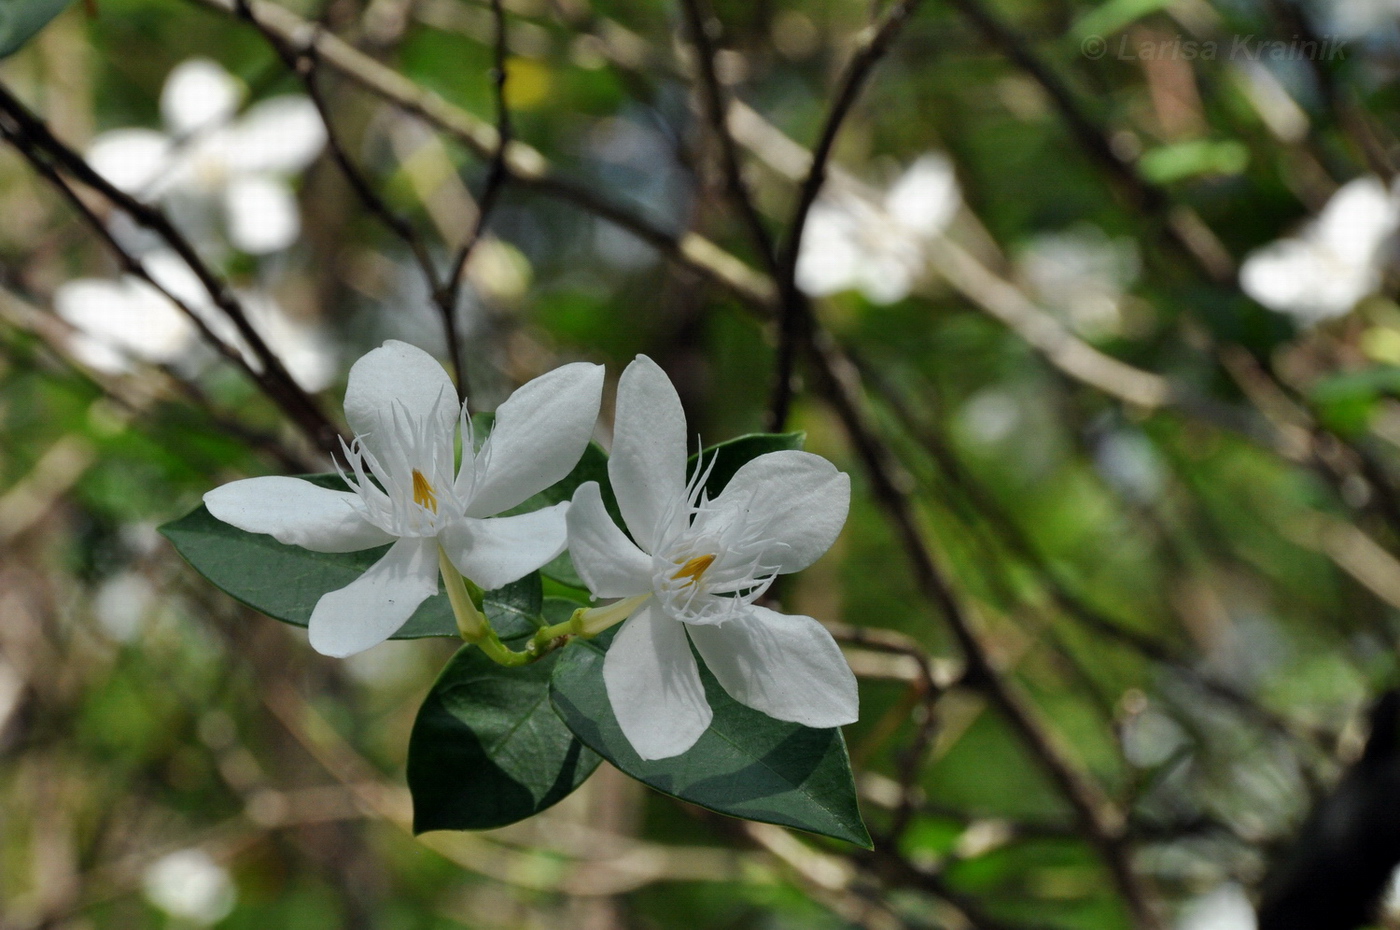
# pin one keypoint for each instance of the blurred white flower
(1129, 462)
(125, 320)
(122, 603)
(1225, 908)
(190, 885)
(211, 160)
(1082, 275)
(990, 416)
(1334, 261)
(851, 242)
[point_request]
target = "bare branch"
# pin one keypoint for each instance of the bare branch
(795, 309)
(715, 103)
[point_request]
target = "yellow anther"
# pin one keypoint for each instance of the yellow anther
(423, 493)
(694, 569)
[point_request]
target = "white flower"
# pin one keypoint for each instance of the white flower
(404, 412)
(118, 321)
(211, 162)
(695, 566)
(1334, 262)
(191, 886)
(851, 242)
(1082, 275)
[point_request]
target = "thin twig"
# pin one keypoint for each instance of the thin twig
(795, 310)
(1101, 823)
(715, 103)
(525, 165)
(496, 177)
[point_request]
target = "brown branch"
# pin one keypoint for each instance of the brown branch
(525, 165)
(795, 310)
(496, 177)
(715, 104)
(302, 62)
(1185, 228)
(1101, 823)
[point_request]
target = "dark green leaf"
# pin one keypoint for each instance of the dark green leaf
(487, 748)
(730, 456)
(745, 765)
(285, 582)
(21, 19)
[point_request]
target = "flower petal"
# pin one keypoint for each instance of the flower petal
(647, 466)
(371, 608)
(262, 214)
(296, 513)
(654, 686)
(539, 434)
(132, 160)
(398, 380)
(787, 666)
(607, 561)
(796, 500)
(926, 197)
(280, 135)
(495, 552)
(127, 315)
(198, 94)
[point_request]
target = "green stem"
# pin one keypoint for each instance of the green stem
(471, 623)
(475, 629)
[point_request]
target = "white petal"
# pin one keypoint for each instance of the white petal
(495, 552)
(371, 608)
(174, 274)
(262, 214)
(131, 159)
(647, 466)
(795, 499)
(539, 434)
(888, 276)
(1357, 220)
(296, 513)
(398, 380)
(787, 666)
(280, 135)
(829, 259)
(197, 95)
(925, 198)
(607, 561)
(654, 686)
(126, 315)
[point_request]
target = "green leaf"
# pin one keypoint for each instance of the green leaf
(285, 582)
(745, 765)
(730, 456)
(20, 20)
(487, 748)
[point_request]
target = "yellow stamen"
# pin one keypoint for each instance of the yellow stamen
(695, 568)
(423, 493)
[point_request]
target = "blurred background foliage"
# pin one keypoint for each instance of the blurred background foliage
(1185, 569)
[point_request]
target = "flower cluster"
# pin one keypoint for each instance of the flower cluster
(688, 571)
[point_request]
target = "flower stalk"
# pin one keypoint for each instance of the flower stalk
(475, 629)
